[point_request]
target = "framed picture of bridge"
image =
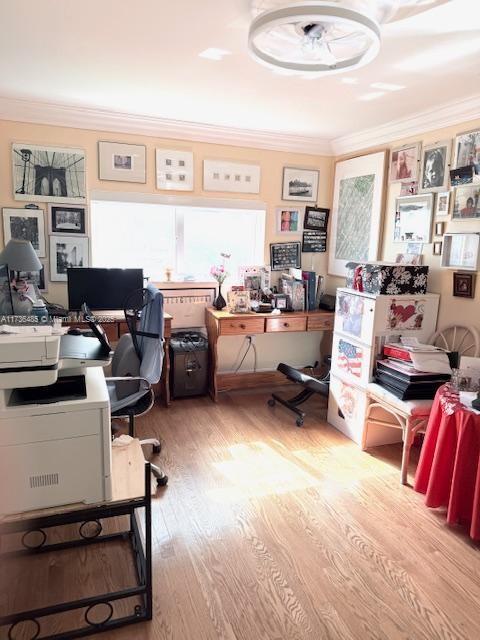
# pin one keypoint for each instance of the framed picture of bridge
(300, 184)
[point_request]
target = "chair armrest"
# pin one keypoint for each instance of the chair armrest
(126, 379)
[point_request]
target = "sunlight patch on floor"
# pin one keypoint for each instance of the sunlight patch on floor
(256, 469)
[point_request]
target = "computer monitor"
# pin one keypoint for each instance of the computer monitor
(105, 289)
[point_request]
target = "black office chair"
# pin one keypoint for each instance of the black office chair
(137, 364)
(311, 385)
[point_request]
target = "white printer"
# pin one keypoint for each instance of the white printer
(55, 442)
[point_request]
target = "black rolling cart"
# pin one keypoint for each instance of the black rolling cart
(31, 532)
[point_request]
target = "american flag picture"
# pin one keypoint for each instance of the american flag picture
(349, 358)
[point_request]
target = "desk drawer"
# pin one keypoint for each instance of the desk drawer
(286, 324)
(241, 326)
(320, 323)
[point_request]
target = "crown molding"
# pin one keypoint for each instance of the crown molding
(446, 115)
(118, 122)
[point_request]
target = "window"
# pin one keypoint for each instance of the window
(186, 239)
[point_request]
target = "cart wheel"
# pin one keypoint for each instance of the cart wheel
(299, 422)
(162, 482)
(271, 402)
(157, 448)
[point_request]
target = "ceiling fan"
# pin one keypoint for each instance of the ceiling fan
(318, 37)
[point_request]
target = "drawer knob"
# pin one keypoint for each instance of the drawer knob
(242, 326)
(285, 324)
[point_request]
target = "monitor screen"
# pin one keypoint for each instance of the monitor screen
(105, 289)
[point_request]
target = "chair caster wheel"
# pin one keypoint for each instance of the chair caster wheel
(157, 448)
(299, 422)
(271, 402)
(162, 482)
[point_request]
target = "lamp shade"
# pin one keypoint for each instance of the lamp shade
(20, 256)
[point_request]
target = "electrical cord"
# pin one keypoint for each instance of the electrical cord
(244, 356)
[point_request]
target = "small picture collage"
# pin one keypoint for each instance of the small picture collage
(439, 183)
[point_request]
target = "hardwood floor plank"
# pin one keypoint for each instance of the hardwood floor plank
(271, 532)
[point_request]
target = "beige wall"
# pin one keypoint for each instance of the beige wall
(298, 349)
(452, 309)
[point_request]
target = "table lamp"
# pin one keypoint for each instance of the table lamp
(20, 256)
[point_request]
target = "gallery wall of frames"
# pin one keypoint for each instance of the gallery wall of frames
(53, 170)
(429, 212)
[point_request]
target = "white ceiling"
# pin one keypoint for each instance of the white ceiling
(141, 57)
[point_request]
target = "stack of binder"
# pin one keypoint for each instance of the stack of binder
(397, 374)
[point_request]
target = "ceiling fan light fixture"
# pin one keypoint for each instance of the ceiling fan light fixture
(314, 37)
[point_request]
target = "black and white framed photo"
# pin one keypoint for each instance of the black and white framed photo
(467, 150)
(300, 184)
(65, 252)
(36, 277)
(122, 162)
(25, 224)
(442, 203)
(316, 218)
(404, 163)
(236, 177)
(66, 219)
(413, 218)
(43, 173)
(175, 170)
(435, 167)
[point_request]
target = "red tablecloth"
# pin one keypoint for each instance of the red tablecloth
(449, 468)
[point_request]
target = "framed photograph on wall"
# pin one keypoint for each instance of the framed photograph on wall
(289, 220)
(122, 162)
(442, 203)
(467, 150)
(174, 169)
(357, 211)
(439, 228)
(65, 252)
(437, 248)
(25, 224)
(316, 218)
(66, 219)
(466, 202)
(413, 218)
(235, 177)
(435, 166)
(300, 184)
(404, 163)
(41, 173)
(285, 255)
(460, 251)
(463, 285)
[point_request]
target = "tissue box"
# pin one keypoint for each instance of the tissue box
(387, 279)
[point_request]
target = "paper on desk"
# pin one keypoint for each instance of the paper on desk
(26, 330)
(437, 362)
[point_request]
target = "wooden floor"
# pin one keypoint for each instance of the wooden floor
(271, 532)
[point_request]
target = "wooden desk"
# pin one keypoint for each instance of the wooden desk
(115, 326)
(224, 323)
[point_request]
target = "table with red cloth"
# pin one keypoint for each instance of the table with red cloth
(449, 468)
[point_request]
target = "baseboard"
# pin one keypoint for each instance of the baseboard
(250, 380)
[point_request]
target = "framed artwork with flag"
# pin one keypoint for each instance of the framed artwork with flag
(351, 361)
